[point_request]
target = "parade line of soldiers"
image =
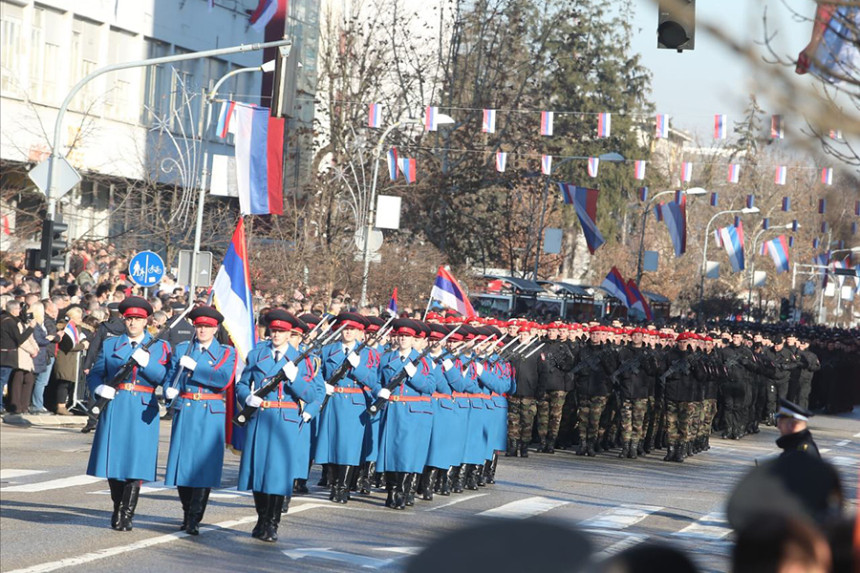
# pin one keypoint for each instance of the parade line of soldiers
(419, 408)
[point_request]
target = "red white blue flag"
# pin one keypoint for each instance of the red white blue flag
(392, 304)
(732, 238)
(392, 163)
(604, 124)
(73, 333)
(836, 134)
(489, 123)
(714, 198)
(643, 194)
(777, 127)
(638, 300)
(765, 223)
(263, 14)
(546, 164)
(232, 294)
(824, 226)
(734, 172)
(259, 160)
(658, 212)
(750, 203)
(662, 127)
(786, 204)
(779, 176)
(827, 175)
(430, 120)
(857, 208)
(593, 163)
(409, 168)
(639, 169)
(584, 201)
(675, 217)
(720, 126)
(795, 226)
(546, 118)
(718, 239)
(686, 171)
(614, 284)
(374, 115)
(501, 161)
(822, 206)
(450, 294)
(778, 250)
(225, 119)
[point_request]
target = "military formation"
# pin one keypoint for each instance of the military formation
(424, 408)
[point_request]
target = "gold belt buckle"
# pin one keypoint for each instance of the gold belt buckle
(197, 396)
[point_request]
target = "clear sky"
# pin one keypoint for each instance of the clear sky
(694, 85)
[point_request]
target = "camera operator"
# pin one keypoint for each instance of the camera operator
(17, 349)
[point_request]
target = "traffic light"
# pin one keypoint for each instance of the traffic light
(54, 245)
(284, 86)
(676, 25)
(784, 309)
(33, 260)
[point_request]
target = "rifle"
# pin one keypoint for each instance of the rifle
(402, 375)
(631, 365)
(345, 366)
(242, 417)
(590, 363)
(678, 366)
(188, 350)
(126, 369)
(535, 349)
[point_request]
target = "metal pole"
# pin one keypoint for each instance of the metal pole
(648, 206)
(539, 238)
(58, 123)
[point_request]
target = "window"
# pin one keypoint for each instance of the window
(11, 49)
(45, 34)
(156, 84)
(85, 59)
(119, 95)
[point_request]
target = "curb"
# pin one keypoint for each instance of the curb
(45, 420)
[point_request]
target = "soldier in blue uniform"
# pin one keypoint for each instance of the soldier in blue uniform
(125, 446)
(344, 422)
(310, 412)
(407, 417)
(200, 371)
(273, 456)
(368, 474)
(498, 438)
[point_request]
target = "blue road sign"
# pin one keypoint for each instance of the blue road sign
(146, 269)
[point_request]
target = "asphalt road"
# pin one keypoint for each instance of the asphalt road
(54, 517)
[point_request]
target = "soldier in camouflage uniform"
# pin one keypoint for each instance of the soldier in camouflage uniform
(593, 392)
(678, 384)
(522, 405)
(556, 359)
(636, 365)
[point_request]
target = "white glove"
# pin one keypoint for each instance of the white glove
(106, 392)
(353, 359)
(140, 356)
(411, 369)
(253, 401)
(384, 393)
(171, 393)
(447, 364)
(479, 368)
(306, 416)
(290, 370)
(329, 389)
(188, 363)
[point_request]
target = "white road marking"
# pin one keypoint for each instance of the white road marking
(524, 508)
(857, 435)
(152, 541)
(403, 550)
(456, 501)
(843, 443)
(11, 474)
(843, 461)
(341, 556)
(51, 484)
(629, 540)
(823, 450)
(620, 517)
(710, 526)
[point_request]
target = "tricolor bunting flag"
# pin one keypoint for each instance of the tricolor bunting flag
(765, 223)
(430, 120)
(488, 125)
(614, 284)
(678, 194)
(836, 134)
(733, 243)
(658, 212)
(643, 194)
(210, 4)
(584, 200)
(794, 226)
(259, 160)
(593, 163)
(391, 309)
(815, 242)
(225, 119)
(392, 164)
(501, 161)
(231, 294)
(822, 206)
(737, 220)
(778, 250)
(780, 175)
(686, 171)
(604, 124)
(791, 241)
(718, 239)
(639, 169)
(824, 226)
(450, 294)
(263, 14)
(777, 127)
(546, 164)
(409, 168)
(786, 204)
(662, 127)
(720, 126)
(734, 173)
(74, 334)
(857, 208)
(374, 115)
(675, 217)
(714, 199)
(827, 175)
(638, 300)
(750, 203)
(546, 118)
(854, 229)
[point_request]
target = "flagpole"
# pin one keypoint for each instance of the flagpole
(427, 310)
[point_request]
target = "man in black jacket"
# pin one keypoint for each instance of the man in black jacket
(522, 406)
(556, 359)
(11, 337)
(636, 365)
(792, 420)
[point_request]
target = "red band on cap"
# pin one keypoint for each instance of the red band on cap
(280, 325)
(436, 335)
(352, 324)
(405, 331)
(135, 312)
(205, 321)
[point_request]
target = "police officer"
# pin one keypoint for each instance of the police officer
(200, 371)
(125, 445)
(792, 420)
(273, 452)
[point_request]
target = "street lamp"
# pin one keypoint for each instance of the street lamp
(692, 191)
(752, 260)
(745, 211)
(612, 156)
(441, 119)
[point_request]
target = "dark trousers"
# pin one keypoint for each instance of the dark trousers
(20, 390)
(64, 388)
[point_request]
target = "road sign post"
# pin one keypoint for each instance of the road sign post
(146, 269)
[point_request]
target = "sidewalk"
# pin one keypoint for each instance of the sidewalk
(26, 420)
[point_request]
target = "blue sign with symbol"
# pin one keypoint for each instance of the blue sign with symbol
(146, 269)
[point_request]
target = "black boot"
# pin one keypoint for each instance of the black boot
(490, 469)
(670, 454)
(400, 490)
(549, 448)
(116, 488)
(524, 449)
(471, 482)
(340, 488)
(456, 477)
(427, 479)
(195, 510)
(444, 483)
(363, 483)
(273, 518)
(377, 480)
(185, 499)
(648, 447)
(689, 449)
(707, 442)
(597, 445)
(625, 449)
(511, 452)
(542, 446)
(300, 487)
(479, 475)
(583, 448)
(409, 487)
(640, 448)
(327, 476)
(680, 448)
(589, 448)
(261, 505)
(130, 494)
(390, 478)
(631, 449)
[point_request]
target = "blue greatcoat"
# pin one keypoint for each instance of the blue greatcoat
(478, 448)
(196, 454)
(275, 445)
(498, 434)
(344, 422)
(370, 446)
(463, 407)
(449, 423)
(310, 430)
(125, 446)
(406, 424)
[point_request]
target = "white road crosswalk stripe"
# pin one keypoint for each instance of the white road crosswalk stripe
(710, 526)
(620, 517)
(843, 443)
(629, 541)
(857, 435)
(823, 450)
(524, 508)
(51, 484)
(843, 461)
(456, 501)
(12, 474)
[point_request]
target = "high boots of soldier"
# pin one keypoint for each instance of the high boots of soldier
(340, 487)
(116, 489)
(390, 484)
(479, 474)
(490, 469)
(185, 499)
(409, 488)
(327, 477)
(549, 448)
(670, 454)
(679, 456)
(524, 449)
(363, 482)
(261, 505)
(625, 449)
(471, 479)
(273, 518)
(640, 447)
(632, 449)
(589, 448)
(425, 488)
(400, 484)
(130, 494)
(443, 482)
(648, 445)
(689, 449)
(511, 452)
(455, 476)
(300, 486)
(196, 507)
